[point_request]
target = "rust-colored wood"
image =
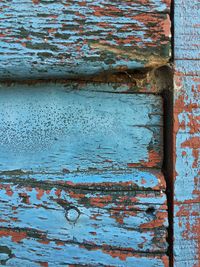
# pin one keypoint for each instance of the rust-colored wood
(187, 135)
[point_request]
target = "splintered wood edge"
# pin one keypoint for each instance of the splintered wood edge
(137, 179)
(146, 80)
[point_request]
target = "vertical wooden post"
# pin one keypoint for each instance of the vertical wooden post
(186, 134)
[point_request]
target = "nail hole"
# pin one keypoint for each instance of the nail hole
(150, 210)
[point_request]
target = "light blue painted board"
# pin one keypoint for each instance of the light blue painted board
(59, 39)
(46, 129)
(133, 179)
(187, 137)
(29, 252)
(187, 30)
(105, 219)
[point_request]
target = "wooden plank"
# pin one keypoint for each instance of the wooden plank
(128, 180)
(186, 135)
(88, 217)
(187, 30)
(42, 39)
(34, 252)
(123, 218)
(53, 128)
(187, 189)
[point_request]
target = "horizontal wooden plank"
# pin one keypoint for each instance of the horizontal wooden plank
(48, 129)
(33, 252)
(42, 39)
(88, 217)
(133, 179)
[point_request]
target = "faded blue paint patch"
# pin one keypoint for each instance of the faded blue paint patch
(51, 128)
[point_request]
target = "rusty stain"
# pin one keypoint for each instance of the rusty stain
(16, 236)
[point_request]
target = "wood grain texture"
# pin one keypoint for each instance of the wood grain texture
(28, 253)
(51, 128)
(51, 39)
(187, 30)
(186, 136)
(106, 219)
(115, 227)
(186, 186)
(129, 180)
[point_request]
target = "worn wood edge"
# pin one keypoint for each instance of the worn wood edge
(20, 203)
(137, 179)
(137, 198)
(19, 234)
(93, 259)
(26, 207)
(145, 80)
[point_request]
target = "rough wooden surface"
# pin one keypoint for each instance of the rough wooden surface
(28, 253)
(51, 128)
(70, 193)
(187, 135)
(106, 219)
(59, 39)
(130, 179)
(187, 30)
(120, 222)
(80, 163)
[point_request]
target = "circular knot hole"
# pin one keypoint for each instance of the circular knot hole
(72, 214)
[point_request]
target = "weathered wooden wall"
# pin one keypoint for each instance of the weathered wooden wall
(80, 161)
(80, 176)
(187, 134)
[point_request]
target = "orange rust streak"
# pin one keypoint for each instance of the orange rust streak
(76, 195)
(40, 193)
(100, 201)
(118, 254)
(153, 159)
(36, 2)
(16, 236)
(193, 143)
(43, 264)
(161, 217)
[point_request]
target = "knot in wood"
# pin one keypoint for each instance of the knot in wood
(72, 214)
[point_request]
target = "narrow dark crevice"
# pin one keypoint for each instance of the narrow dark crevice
(172, 30)
(168, 162)
(138, 78)
(169, 141)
